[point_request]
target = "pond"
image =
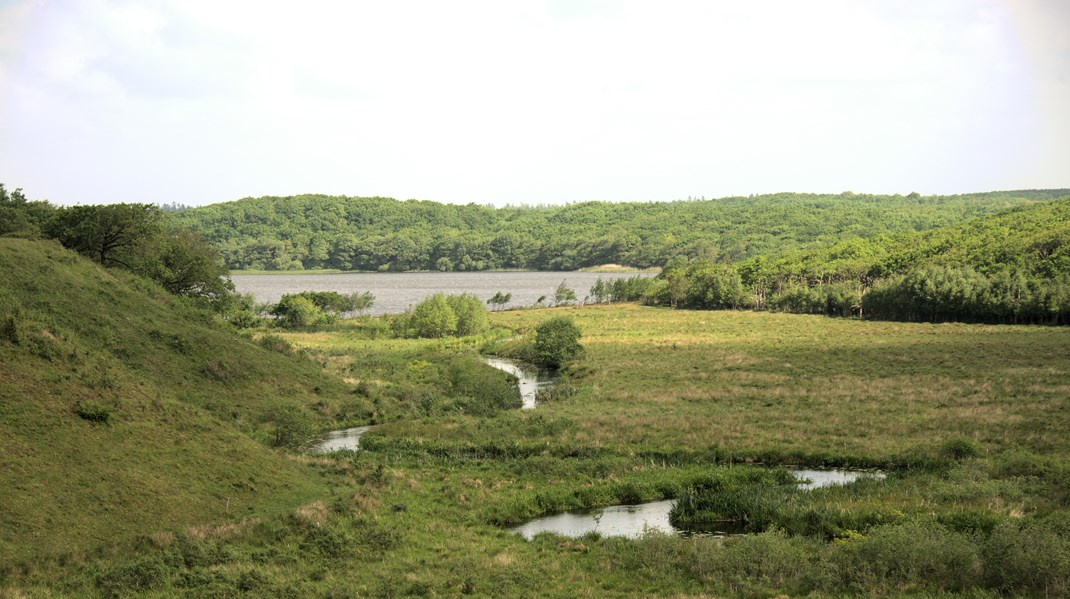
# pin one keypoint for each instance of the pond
(632, 521)
(346, 439)
(396, 292)
(529, 379)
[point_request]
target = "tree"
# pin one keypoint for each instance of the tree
(500, 299)
(470, 312)
(557, 342)
(433, 317)
(601, 291)
(109, 234)
(184, 263)
(563, 294)
(361, 302)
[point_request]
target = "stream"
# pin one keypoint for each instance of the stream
(345, 439)
(529, 379)
(632, 521)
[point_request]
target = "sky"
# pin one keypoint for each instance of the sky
(530, 101)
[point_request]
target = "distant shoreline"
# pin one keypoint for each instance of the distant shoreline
(606, 268)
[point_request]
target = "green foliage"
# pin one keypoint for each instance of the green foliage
(557, 342)
(442, 315)
(297, 311)
(471, 314)
(93, 411)
(564, 294)
(375, 234)
(21, 217)
(433, 317)
(500, 299)
(291, 425)
(600, 291)
(112, 235)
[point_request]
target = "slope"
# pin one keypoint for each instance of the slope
(126, 412)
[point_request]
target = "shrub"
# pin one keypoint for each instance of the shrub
(297, 311)
(959, 448)
(471, 314)
(433, 317)
(92, 411)
(906, 556)
(557, 342)
(1028, 556)
(291, 425)
(140, 575)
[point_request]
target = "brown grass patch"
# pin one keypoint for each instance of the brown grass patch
(315, 513)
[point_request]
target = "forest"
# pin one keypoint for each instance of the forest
(1013, 267)
(382, 234)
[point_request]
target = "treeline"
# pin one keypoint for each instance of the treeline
(382, 234)
(140, 238)
(1009, 268)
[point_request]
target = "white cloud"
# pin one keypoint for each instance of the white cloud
(525, 101)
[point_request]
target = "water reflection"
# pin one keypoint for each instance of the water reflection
(529, 379)
(347, 439)
(394, 292)
(632, 521)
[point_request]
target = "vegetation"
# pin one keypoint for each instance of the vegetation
(136, 237)
(1008, 268)
(310, 308)
(370, 234)
(128, 411)
(557, 342)
(443, 315)
(150, 449)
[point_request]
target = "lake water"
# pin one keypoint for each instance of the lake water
(632, 521)
(395, 292)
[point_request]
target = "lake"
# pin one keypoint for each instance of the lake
(396, 292)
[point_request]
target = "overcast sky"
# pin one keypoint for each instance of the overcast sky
(530, 101)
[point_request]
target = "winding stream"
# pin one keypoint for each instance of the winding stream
(529, 379)
(632, 521)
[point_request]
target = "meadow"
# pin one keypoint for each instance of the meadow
(968, 421)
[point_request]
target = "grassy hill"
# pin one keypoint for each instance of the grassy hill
(126, 412)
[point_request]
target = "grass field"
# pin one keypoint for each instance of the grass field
(969, 421)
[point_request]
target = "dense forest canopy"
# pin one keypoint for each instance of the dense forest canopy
(382, 234)
(1009, 267)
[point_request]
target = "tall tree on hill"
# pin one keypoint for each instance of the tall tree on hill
(107, 234)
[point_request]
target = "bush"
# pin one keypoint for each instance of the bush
(434, 317)
(557, 342)
(92, 411)
(471, 314)
(1028, 556)
(297, 311)
(958, 448)
(901, 557)
(291, 426)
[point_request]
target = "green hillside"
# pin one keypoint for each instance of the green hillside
(126, 411)
(1034, 239)
(353, 233)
